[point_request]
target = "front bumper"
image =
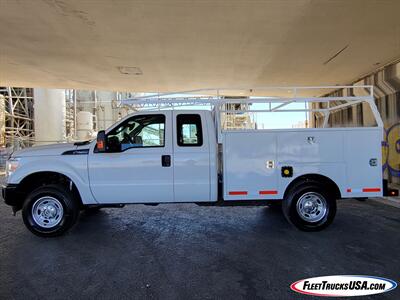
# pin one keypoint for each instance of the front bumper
(12, 196)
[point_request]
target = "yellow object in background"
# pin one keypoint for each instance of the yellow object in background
(391, 150)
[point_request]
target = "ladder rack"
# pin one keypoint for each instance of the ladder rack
(219, 99)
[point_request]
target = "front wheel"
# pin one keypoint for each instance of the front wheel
(50, 211)
(309, 206)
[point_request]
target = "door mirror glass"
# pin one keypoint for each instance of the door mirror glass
(101, 141)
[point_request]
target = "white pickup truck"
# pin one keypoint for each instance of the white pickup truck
(175, 156)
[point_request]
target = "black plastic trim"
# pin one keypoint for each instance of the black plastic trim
(12, 195)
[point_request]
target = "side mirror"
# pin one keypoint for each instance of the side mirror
(101, 141)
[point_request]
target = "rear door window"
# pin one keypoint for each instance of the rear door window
(189, 130)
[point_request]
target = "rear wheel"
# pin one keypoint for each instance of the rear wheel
(50, 210)
(309, 206)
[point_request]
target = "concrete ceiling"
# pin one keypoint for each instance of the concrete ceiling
(181, 45)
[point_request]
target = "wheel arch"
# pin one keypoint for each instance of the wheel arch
(328, 182)
(40, 178)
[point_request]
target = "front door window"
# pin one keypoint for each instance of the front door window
(141, 131)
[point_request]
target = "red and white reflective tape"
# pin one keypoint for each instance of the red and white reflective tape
(365, 190)
(237, 193)
(268, 192)
(371, 190)
(275, 192)
(263, 192)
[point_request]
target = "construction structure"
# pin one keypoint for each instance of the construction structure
(16, 116)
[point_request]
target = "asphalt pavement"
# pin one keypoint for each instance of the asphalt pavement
(189, 252)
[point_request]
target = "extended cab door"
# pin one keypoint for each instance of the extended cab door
(137, 167)
(191, 157)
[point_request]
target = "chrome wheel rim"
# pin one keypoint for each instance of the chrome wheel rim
(312, 207)
(47, 212)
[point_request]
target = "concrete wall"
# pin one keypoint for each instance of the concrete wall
(387, 98)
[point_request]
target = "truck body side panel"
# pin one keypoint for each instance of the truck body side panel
(350, 157)
(246, 175)
(360, 147)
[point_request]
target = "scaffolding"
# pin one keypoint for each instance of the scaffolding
(71, 111)
(19, 125)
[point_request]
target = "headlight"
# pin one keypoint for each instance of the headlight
(11, 165)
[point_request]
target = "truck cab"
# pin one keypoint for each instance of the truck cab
(153, 157)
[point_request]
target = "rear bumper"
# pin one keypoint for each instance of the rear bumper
(12, 196)
(388, 192)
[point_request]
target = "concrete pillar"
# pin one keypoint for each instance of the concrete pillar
(105, 113)
(50, 113)
(2, 121)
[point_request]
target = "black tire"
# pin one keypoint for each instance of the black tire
(290, 210)
(66, 220)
